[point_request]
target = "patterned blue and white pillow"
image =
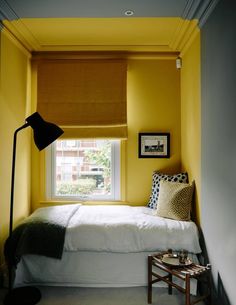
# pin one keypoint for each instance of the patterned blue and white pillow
(156, 178)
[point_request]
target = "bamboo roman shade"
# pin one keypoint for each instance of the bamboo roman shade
(86, 97)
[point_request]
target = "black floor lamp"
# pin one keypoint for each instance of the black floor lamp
(44, 134)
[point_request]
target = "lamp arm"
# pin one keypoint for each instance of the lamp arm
(13, 176)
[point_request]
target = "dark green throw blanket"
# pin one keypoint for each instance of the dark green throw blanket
(42, 233)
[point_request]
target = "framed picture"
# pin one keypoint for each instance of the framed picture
(154, 145)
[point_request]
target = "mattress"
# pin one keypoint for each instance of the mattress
(125, 229)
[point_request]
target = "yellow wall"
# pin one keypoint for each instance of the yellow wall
(153, 106)
(14, 107)
(153, 93)
(191, 117)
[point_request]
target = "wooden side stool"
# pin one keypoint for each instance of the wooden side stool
(185, 273)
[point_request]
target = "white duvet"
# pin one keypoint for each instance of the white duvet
(124, 229)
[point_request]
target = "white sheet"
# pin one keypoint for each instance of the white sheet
(89, 269)
(119, 228)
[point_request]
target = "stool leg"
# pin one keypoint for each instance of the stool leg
(170, 286)
(187, 289)
(209, 286)
(149, 279)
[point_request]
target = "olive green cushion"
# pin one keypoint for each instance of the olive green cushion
(175, 200)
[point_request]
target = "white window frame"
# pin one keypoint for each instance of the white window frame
(50, 171)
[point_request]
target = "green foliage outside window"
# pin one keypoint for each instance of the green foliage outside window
(102, 158)
(81, 187)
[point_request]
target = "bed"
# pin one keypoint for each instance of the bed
(103, 246)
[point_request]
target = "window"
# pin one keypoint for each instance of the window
(83, 170)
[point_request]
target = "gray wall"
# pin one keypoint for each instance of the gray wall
(218, 202)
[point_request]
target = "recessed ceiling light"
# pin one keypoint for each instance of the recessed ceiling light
(129, 13)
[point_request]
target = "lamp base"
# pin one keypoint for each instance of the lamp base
(22, 296)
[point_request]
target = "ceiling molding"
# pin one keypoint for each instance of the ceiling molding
(183, 34)
(124, 48)
(190, 9)
(194, 15)
(22, 34)
(6, 12)
(34, 40)
(186, 44)
(16, 42)
(199, 9)
(207, 12)
(58, 55)
(190, 32)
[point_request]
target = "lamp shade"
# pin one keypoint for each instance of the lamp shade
(44, 132)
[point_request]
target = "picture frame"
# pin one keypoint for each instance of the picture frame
(154, 145)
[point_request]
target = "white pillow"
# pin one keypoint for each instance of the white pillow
(175, 200)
